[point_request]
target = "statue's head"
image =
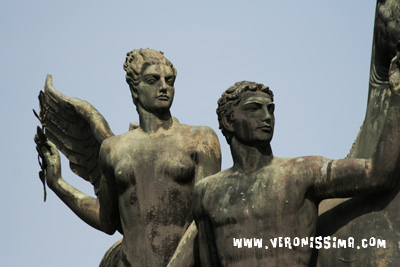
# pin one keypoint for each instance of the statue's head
(140, 61)
(387, 31)
(246, 111)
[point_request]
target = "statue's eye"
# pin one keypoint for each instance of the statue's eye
(151, 81)
(170, 81)
(251, 107)
(151, 78)
(271, 109)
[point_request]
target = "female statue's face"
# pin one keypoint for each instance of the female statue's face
(155, 91)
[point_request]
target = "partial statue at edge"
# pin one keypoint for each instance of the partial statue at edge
(143, 179)
(370, 216)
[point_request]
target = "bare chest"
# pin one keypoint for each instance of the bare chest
(149, 160)
(154, 180)
(264, 203)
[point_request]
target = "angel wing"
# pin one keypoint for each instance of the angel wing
(76, 128)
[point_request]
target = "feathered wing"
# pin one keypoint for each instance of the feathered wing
(76, 128)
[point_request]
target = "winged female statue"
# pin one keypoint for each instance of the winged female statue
(143, 179)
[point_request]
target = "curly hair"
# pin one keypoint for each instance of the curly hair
(232, 97)
(138, 60)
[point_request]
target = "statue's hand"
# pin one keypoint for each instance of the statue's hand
(50, 158)
(394, 72)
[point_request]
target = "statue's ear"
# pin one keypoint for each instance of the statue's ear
(227, 122)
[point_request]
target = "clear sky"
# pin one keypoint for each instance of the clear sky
(314, 55)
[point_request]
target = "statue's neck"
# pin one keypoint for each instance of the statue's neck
(152, 122)
(250, 158)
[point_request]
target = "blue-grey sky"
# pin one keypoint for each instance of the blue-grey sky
(314, 55)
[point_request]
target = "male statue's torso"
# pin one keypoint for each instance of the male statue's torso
(272, 202)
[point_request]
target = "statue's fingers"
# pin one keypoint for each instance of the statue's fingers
(52, 148)
(39, 145)
(41, 134)
(45, 152)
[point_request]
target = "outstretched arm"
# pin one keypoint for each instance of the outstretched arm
(352, 177)
(85, 207)
(78, 130)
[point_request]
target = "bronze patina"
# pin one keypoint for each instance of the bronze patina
(143, 179)
(266, 197)
(370, 216)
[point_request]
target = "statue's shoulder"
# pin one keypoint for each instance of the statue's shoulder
(203, 135)
(304, 160)
(214, 179)
(205, 131)
(194, 130)
(119, 141)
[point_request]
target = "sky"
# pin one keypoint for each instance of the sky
(314, 55)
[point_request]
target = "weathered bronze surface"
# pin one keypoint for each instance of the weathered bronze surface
(226, 205)
(144, 178)
(267, 197)
(370, 216)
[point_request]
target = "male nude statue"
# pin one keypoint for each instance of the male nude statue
(266, 197)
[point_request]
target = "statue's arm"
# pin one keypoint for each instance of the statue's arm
(354, 177)
(207, 249)
(208, 162)
(84, 206)
(184, 255)
(208, 254)
(108, 197)
(208, 154)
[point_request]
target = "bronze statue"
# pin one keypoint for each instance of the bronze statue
(370, 216)
(265, 197)
(144, 178)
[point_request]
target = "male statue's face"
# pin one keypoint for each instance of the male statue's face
(253, 118)
(155, 91)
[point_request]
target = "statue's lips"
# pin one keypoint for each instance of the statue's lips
(266, 129)
(163, 97)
